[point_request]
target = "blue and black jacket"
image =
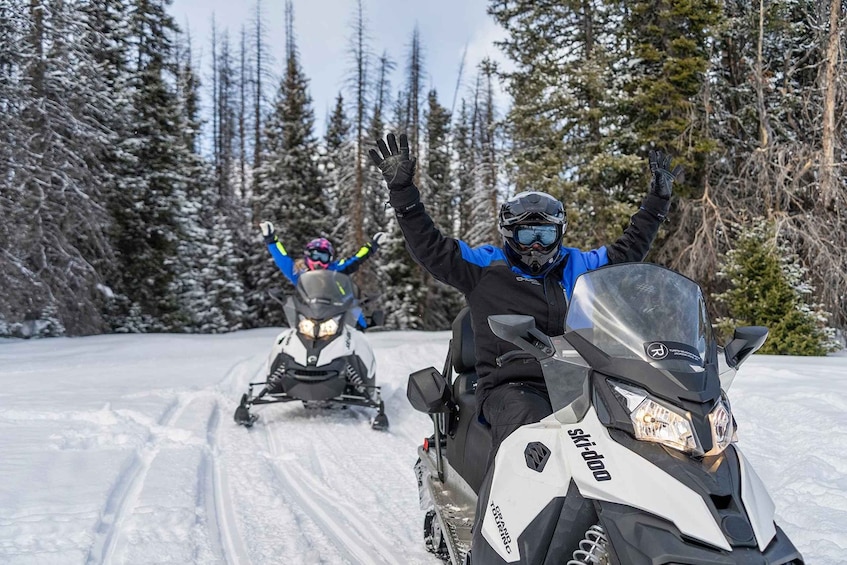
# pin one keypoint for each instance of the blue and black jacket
(347, 266)
(493, 285)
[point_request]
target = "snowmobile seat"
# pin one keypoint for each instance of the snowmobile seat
(469, 441)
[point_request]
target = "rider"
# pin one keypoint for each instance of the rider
(318, 255)
(531, 273)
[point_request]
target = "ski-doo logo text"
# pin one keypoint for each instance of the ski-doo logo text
(501, 527)
(592, 459)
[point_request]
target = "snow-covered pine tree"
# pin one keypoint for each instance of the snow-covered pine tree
(768, 286)
(338, 170)
(226, 111)
(405, 280)
(16, 278)
(440, 303)
(376, 212)
(208, 284)
(153, 188)
(56, 175)
(463, 173)
(288, 187)
(537, 33)
(483, 201)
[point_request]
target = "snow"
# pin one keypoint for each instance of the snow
(122, 449)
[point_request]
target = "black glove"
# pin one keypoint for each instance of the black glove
(396, 166)
(663, 176)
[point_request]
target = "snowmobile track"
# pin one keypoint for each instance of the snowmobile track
(339, 523)
(121, 500)
(221, 512)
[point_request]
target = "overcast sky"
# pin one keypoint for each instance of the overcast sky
(323, 30)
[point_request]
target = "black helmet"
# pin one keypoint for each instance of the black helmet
(532, 225)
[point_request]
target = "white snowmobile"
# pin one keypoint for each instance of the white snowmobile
(637, 464)
(322, 360)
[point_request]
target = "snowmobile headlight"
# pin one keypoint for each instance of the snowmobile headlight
(723, 427)
(329, 328)
(307, 327)
(657, 422)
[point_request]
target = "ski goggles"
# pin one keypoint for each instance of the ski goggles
(321, 255)
(546, 235)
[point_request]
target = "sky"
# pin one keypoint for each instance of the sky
(121, 449)
(323, 29)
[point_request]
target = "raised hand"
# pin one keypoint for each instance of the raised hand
(660, 167)
(397, 167)
(377, 239)
(268, 232)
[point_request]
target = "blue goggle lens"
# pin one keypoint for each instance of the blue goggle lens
(529, 235)
(318, 255)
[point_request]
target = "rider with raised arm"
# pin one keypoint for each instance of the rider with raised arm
(531, 273)
(318, 254)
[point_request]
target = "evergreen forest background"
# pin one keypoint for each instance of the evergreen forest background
(123, 209)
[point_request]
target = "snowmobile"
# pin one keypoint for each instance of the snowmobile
(637, 464)
(322, 359)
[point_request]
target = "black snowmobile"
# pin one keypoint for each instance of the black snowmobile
(322, 359)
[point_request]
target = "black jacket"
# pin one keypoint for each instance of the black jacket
(492, 285)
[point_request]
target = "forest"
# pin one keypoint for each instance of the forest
(126, 208)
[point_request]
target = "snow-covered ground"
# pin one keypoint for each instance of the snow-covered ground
(122, 449)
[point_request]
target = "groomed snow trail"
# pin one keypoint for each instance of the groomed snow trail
(122, 450)
(139, 460)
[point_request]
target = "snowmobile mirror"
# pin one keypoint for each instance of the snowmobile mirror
(521, 331)
(745, 342)
(378, 318)
(428, 391)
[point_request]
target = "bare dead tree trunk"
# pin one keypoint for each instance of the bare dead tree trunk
(357, 213)
(216, 118)
(242, 110)
(257, 102)
(829, 182)
(413, 103)
(760, 93)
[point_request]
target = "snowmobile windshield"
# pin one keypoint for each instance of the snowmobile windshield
(643, 311)
(324, 294)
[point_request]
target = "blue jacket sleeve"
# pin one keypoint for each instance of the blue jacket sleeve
(283, 260)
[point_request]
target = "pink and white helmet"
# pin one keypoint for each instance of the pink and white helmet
(318, 254)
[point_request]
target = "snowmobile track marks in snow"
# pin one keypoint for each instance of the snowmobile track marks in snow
(220, 509)
(121, 500)
(339, 523)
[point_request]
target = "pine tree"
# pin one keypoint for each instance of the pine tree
(440, 303)
(153, 186)
(16, 278)
(289, 187)
(340, 154)
(208, 285)
(406, 281)
(769, 287)
(55, 172)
